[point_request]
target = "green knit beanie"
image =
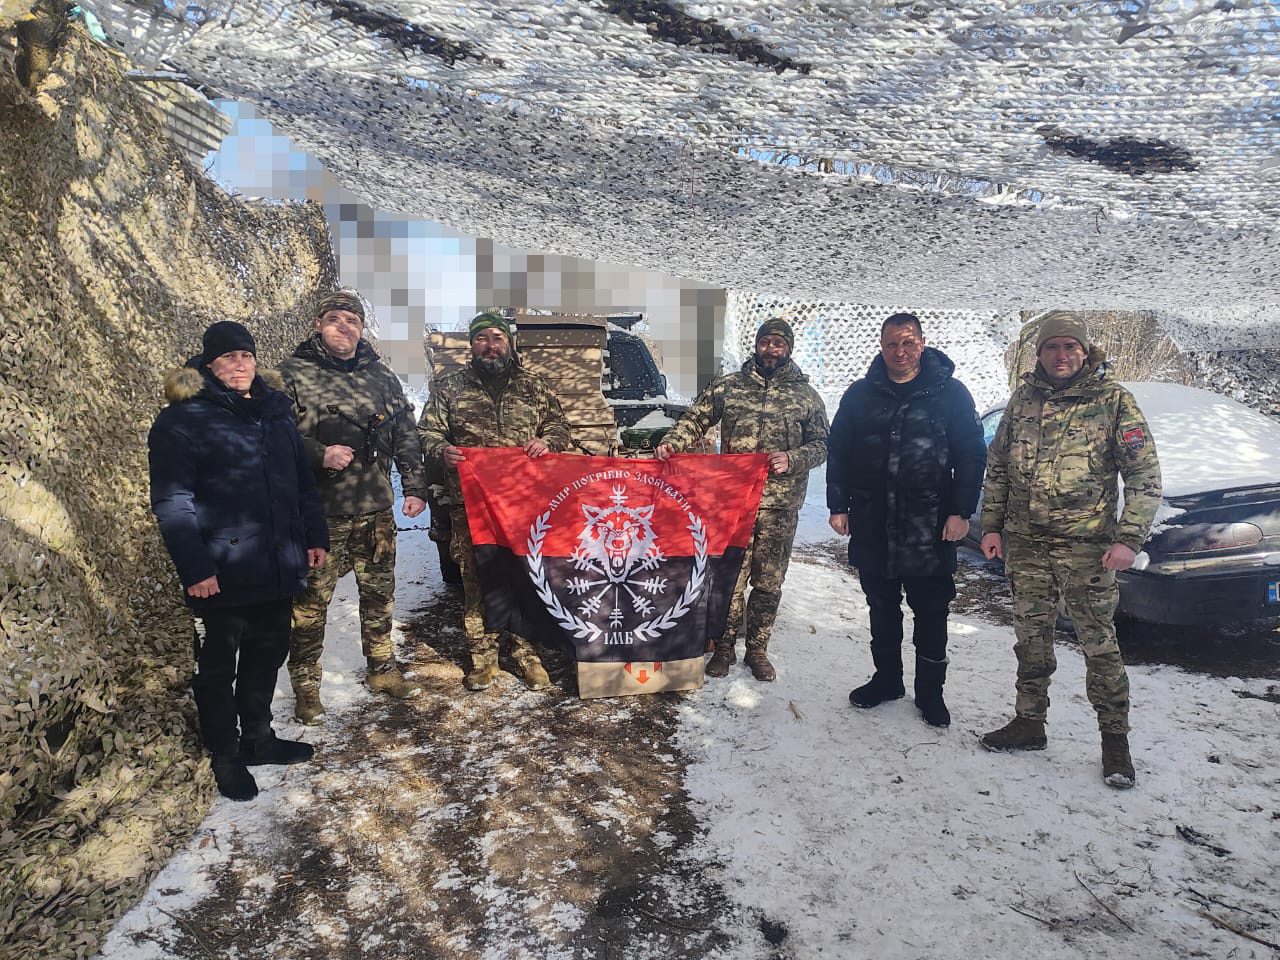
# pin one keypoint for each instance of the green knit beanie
(487, 319)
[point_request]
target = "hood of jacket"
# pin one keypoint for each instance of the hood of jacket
(935, 369)
(188, 382)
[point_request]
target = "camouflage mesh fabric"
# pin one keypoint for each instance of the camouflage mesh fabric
(367, 545)
(1038, 571)
(764, 567)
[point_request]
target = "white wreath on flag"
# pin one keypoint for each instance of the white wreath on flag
(582, 629)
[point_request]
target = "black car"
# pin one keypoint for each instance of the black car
(1213, 556)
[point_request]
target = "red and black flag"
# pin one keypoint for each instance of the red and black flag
(630, 564)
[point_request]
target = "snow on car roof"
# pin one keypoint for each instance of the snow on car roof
(1207, 441)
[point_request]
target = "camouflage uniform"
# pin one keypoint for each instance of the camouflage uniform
(759, 415)
(1051, 490)
(471, 409)
(328, 395)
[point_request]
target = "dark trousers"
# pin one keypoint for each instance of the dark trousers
(929, 599)
(239, 651)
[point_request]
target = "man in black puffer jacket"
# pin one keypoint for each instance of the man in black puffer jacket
(238, 509)
(903, 476)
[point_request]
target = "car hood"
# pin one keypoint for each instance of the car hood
(1208, 442)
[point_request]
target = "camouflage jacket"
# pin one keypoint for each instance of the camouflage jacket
(333, 403)
(468, 409)
(762, 416)
(1052, 467)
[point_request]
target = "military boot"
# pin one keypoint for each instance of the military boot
(1117, 765)
(305, 678)
(726, 656)
(1020, 733)
(384, 676)
(531, 668)
(758, 661)
(484, 670)
(307, 707)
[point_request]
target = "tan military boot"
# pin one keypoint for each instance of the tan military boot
(531, 669)
(1117, 765)
(307, 707)
(484, 670)
(726, 656)
(1020, 733)
(384, 676)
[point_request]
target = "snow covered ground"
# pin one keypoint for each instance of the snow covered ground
(827, 831)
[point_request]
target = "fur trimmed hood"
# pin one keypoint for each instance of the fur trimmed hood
(186, 383)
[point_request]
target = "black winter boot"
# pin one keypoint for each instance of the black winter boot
(885, 684)
(235, 782)
(930, 676)
(272, 750)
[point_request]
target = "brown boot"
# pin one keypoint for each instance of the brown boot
(758, 661)
(484, 670)
(1117, 765)
(1020, 733)
(307, 707)
(384, 676)
(726, 656)
(531, 669)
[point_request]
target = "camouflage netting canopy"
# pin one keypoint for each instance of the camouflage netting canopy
(980, 156)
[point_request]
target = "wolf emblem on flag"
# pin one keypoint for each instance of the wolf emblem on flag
(629, 564)
(618, 582)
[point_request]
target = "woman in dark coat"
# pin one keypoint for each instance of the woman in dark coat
(238, 509)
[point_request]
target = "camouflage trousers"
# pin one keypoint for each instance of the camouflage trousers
(367, 545)
(1039, 570)
(764, 567)
(480, 640)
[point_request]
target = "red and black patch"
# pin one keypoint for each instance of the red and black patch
(1135, 439)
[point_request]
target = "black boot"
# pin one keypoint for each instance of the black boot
(930, 676)
(272, 750)
(235, 782)
(886, 683)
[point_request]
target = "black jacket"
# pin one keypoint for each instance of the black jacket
(232, 490)
(900, 465)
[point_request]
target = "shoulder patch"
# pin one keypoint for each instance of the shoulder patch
(1135, 438)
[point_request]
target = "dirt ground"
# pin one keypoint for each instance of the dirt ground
(475, 821)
